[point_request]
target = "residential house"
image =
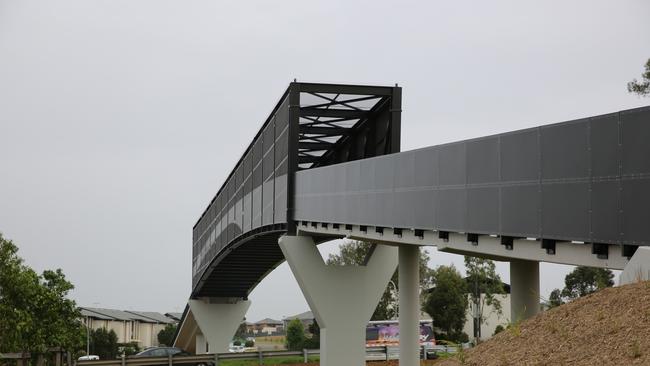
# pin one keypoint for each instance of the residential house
(141, 327)
(307, 318)
(268, 326)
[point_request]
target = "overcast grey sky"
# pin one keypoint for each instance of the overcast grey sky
(119, 120)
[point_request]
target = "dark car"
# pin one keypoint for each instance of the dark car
(168, 351)
(161, 352)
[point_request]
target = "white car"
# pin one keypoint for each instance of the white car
(88, 358)
(236, 349)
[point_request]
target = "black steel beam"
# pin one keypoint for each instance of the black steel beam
(317, 112)
(344, 89)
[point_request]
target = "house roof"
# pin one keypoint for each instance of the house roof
(175, 316)
(307, 315)
(156, 317)
(268, 321)
(92, 314)
(118, 315)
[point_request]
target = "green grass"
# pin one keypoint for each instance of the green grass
(268, 361)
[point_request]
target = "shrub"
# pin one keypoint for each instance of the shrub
(498, 329)
(249, 343)
(295, 335)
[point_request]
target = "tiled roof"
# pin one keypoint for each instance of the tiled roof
(156, 317)
(307, 315)
(269, 321)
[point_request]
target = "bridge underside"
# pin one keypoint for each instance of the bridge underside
(236, 272)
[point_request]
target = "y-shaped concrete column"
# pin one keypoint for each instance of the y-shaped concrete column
(218, 321)
(524, 289)
(342, 298)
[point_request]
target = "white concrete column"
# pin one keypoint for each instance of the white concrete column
(409, 305)
(342, 298)
(638, 268)
(524, 289)
(218, 321)
(200, 345)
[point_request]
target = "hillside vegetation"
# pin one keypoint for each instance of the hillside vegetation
(609, 327)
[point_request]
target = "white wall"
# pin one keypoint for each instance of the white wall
(491, 318)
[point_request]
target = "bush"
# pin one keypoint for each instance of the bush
(295, 335)
(236, 343)
(498, 329)
(249, 343)
(129, 349)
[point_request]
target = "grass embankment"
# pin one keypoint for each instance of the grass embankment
(609, 327)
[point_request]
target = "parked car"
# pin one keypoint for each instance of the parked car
(161, 352)
(88, 358)
(236, 349)
(168, 351)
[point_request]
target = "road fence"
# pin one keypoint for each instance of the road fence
(372, 354)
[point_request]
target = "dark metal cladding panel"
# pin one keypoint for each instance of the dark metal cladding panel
(565, 210)
(483, 160)
(353, 199)
(635, 136)
(451, 209)
(406, 197)
(605, 207)
(427, 172)
(636, 203)
(452, 164)
(520, 156)
(520, 210)
(367, 181)
(604, 144)
(383, 200)
(404, 165)
(565, 150)
(280, 210)
(483, 210)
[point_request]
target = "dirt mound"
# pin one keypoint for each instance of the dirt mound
(610, 327)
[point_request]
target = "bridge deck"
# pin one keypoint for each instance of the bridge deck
(585, 180)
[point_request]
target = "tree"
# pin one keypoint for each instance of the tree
(355, 253)
(642, 88)
(313, 342)
(484, 285)
(166, 335)
(295, 335)
(555, 299)
(447, 302)
(35, 311)
(586, 280)
(103, 343)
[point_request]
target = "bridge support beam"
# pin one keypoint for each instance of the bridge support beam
(409, 305)
(218, 320)
(524, 289)
(342, 298)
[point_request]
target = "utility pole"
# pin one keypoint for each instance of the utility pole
(87, 336)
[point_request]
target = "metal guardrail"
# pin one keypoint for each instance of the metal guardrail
(372, 354)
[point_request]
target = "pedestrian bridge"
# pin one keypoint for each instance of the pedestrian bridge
(327, 163)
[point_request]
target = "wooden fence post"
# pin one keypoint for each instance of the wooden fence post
(261, 358)
(216, 359)
(123, 360)
(304, 354)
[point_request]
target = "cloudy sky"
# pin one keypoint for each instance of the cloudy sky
(120, 119)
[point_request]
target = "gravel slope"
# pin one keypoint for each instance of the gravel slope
(610, 327)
